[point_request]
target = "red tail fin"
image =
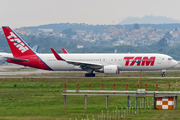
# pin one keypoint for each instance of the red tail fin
(17, 45)
(64, 51)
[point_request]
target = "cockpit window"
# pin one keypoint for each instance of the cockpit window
(170, 58)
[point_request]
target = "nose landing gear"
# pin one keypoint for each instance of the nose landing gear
(163, 74)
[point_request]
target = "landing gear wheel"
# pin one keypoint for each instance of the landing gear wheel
(89, 75)
(163, 75)
(92, 75)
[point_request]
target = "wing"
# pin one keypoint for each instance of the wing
(82, 64)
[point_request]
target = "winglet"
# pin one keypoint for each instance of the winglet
(56, 54)
(64, 51)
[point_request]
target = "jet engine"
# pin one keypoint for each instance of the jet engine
(111, 69)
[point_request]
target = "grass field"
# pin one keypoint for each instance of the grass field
(33, 98)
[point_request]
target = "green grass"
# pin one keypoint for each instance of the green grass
(41, 99)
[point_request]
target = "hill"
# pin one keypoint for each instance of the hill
(148, 19)
(87, 27)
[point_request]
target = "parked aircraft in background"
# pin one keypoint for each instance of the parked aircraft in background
(115, 51)
(4, 54)
(36, 48)
(104, 63)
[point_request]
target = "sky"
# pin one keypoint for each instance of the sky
(23, 13)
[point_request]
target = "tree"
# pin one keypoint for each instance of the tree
(168, 35)
(171, 51)
(114, 40)
(136, 26)
(163, 42)
(68, 32)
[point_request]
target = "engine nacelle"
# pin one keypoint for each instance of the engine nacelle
(111, 69)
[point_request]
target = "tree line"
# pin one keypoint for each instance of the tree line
(82, 26)
(47, 42)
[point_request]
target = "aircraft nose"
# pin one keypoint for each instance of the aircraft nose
(176, 62)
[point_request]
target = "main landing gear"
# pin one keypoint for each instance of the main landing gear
(89, 75)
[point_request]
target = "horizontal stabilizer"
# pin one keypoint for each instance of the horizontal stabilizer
(17, 59)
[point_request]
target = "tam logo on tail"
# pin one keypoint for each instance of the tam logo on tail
(17, 42)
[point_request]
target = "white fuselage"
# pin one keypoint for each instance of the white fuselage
(125, 62)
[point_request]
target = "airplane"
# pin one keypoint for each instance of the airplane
(115, 51)
(4, 54)
(36, 48)
(103, 63)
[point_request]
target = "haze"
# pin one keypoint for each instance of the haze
(21, 13)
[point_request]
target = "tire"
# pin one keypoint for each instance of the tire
(163, 75)
(89, 75)
(93, 75)
(86, 75)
